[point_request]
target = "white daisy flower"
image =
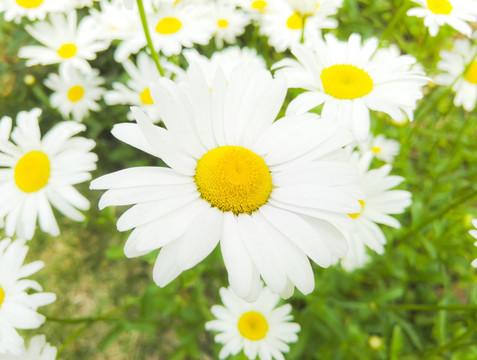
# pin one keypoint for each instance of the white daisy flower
(38, 349)
(259, 328)
(78, 4)
(136, 91)
(350, 79)
(284, 27)
(75, 92)
(381, 147)
(230, 22)
(437, 13)
(18, 305)
(63, 41)
(376, 206)
(256, 8)
(270, 192)
(473, 233)
(38, 171)
(32, 9)
(460, 67)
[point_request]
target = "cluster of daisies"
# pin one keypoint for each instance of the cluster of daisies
(275, 191)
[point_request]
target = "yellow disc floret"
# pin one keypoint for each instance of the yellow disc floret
(346, 81)
(2, 296)
(439, 7)
(471, 73)
(75, 93)
(259, 5)
(29, 4)
(356, 215)
(295, 22)
(146, 98)
(222, 23)
(168, 25)
(375, 149)
(233, 178)
(32, 171)
(67, 51)
(253, 326)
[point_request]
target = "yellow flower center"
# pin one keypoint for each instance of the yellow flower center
(471, 73)
(29, 4)
(440, 7)
(75, 93)
(295, 22)
(146, 98)
(67, 51)
(259, 5)
(355, 215)
(222, 23)
(253, 326)
(32, 171)
(168, 25)
(233, 178)
(346, 81)
(2, 296)
(375, 149)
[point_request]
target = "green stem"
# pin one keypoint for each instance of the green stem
(397, 16)
(456, 342)
(430, 307)
(154, 54)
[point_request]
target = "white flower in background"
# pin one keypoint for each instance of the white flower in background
(378, 203)
(75, 92)
(382, 148)
(129, 3)
(350, 79)
(473, 233)
(63, 41)
(229, 22)
(270, 191)
(78, 4)
(437, 13)
(284, 26)
(18, 305)
(136, 91)
(256, 8)
(38, 349)
(460, 67)
(32, 9)
(260, 328)
(36, 172)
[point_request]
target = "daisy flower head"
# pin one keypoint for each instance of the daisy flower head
(230, 22)
(64, 41)
(75, 92)
(436, 13)
(15, 10)
(460, 71)
(473, 233)
(256, 8)
(377, 204)
(350, 79)
(38, 349)
(271, 192)
(381, 147)
(260, 328)
(18, 306)
(37, 172)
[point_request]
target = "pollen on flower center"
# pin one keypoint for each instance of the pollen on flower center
(253, 326)
(346, 81)
(29, 4)
(471, 73)
(439, 7)
(222, 23)
(146, 98)
(259, 5)
(67, 50)
(32, 171)
(2, 296)
(168, 25)
(75, 93)
(295, 21)
(375, 149)
(356, 215)
(233, 178)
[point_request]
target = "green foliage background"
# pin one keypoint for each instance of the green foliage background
(419, 298)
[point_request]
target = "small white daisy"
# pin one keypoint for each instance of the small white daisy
(436, 13)
(256, 8)
(63, 41)
(32, 9)
(38, 349)
(18, 305)
(229, 22)
(350, 79)
(75, 92)
(376, 206)
(382, 148)
(259, 328)
(460, 67)
(270, 191)
(473, 233)
(38, 171)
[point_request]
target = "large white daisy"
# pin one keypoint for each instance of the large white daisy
(270, 192)
(260, 328)
(18, 305)
(38, 349)
(350, 79)
(38, 171)
(32, 9)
